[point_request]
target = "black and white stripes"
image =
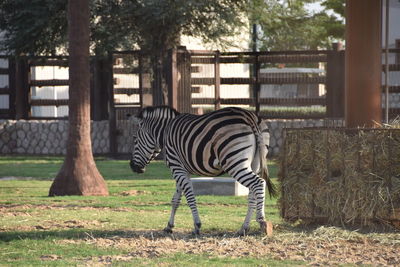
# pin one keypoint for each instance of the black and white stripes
(229, 140)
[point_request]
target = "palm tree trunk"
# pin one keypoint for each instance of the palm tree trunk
(79, 174)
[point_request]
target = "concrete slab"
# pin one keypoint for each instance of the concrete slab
(218, 187)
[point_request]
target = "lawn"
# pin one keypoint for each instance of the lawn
(124, 229)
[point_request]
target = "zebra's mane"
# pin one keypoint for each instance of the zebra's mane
(159, 111)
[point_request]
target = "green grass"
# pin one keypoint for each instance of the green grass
(125, 228)
(35, 229)
(293, 112)
(47, 168)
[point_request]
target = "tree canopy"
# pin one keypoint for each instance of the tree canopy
(290, 25)
(34, 26)
(40, 26)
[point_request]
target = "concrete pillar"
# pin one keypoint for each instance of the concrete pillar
(363, 63)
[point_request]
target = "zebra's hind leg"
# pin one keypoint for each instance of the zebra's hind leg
(176, 200)
(244, 230)
(184, 183)
(256, 186)
(258, 189)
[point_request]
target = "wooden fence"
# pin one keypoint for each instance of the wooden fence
(21, 83)
(392, 70)
(192, 62)
(203, 69)
(130, 90)
(197, 81)
(6, 91)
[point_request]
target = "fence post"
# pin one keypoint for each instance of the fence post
(12, 88)
(172, 79)
(217, 81)
(335, 82)
(99, 86)
(145, 90)
(257, 86)
(158, 83)
(184, 81)
(141, 98)
(22, 89)
(111, 107)
(95, 84)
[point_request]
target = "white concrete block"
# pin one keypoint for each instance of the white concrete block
(218, 186)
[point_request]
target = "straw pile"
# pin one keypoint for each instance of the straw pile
(341, 176)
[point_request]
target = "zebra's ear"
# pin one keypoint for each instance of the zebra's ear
(133, 119)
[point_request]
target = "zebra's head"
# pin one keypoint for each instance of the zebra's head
(149, 139)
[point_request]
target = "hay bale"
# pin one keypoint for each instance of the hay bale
(341, 176)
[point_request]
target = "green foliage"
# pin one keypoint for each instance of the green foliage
(160, 23)
(334, 23)
(337, 6)
(112, 26)
(39, 26)
(288, 25)
(33, 26)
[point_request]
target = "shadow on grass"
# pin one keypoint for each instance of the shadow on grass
(87, 234)
(60, 234)
(76, 234)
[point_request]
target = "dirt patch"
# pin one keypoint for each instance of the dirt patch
(27, 211)
(133, 193)
(106, 260)
(16, 214)
(14, 178)
(4, 209)
(50, 257)
(324, 246)
(70, 224)
(54, 225)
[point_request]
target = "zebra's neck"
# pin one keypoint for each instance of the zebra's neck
(157, 120)
(159, 133)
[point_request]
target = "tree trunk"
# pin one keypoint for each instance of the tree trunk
(160, 90)
(79, 174)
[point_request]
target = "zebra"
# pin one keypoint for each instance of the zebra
(229, 140)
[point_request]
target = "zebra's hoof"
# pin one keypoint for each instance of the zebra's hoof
(167, 230)
(243, 231)
(196, 233)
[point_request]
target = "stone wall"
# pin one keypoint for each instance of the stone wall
(49, 137)
(276, 131)
(126, 136)
(46, 137)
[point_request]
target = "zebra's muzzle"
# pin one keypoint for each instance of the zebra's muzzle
(136, 168)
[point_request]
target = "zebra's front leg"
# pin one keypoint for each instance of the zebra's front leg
(176, 200)
(251, 206)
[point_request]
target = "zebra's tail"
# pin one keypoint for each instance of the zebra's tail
(263, 166)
